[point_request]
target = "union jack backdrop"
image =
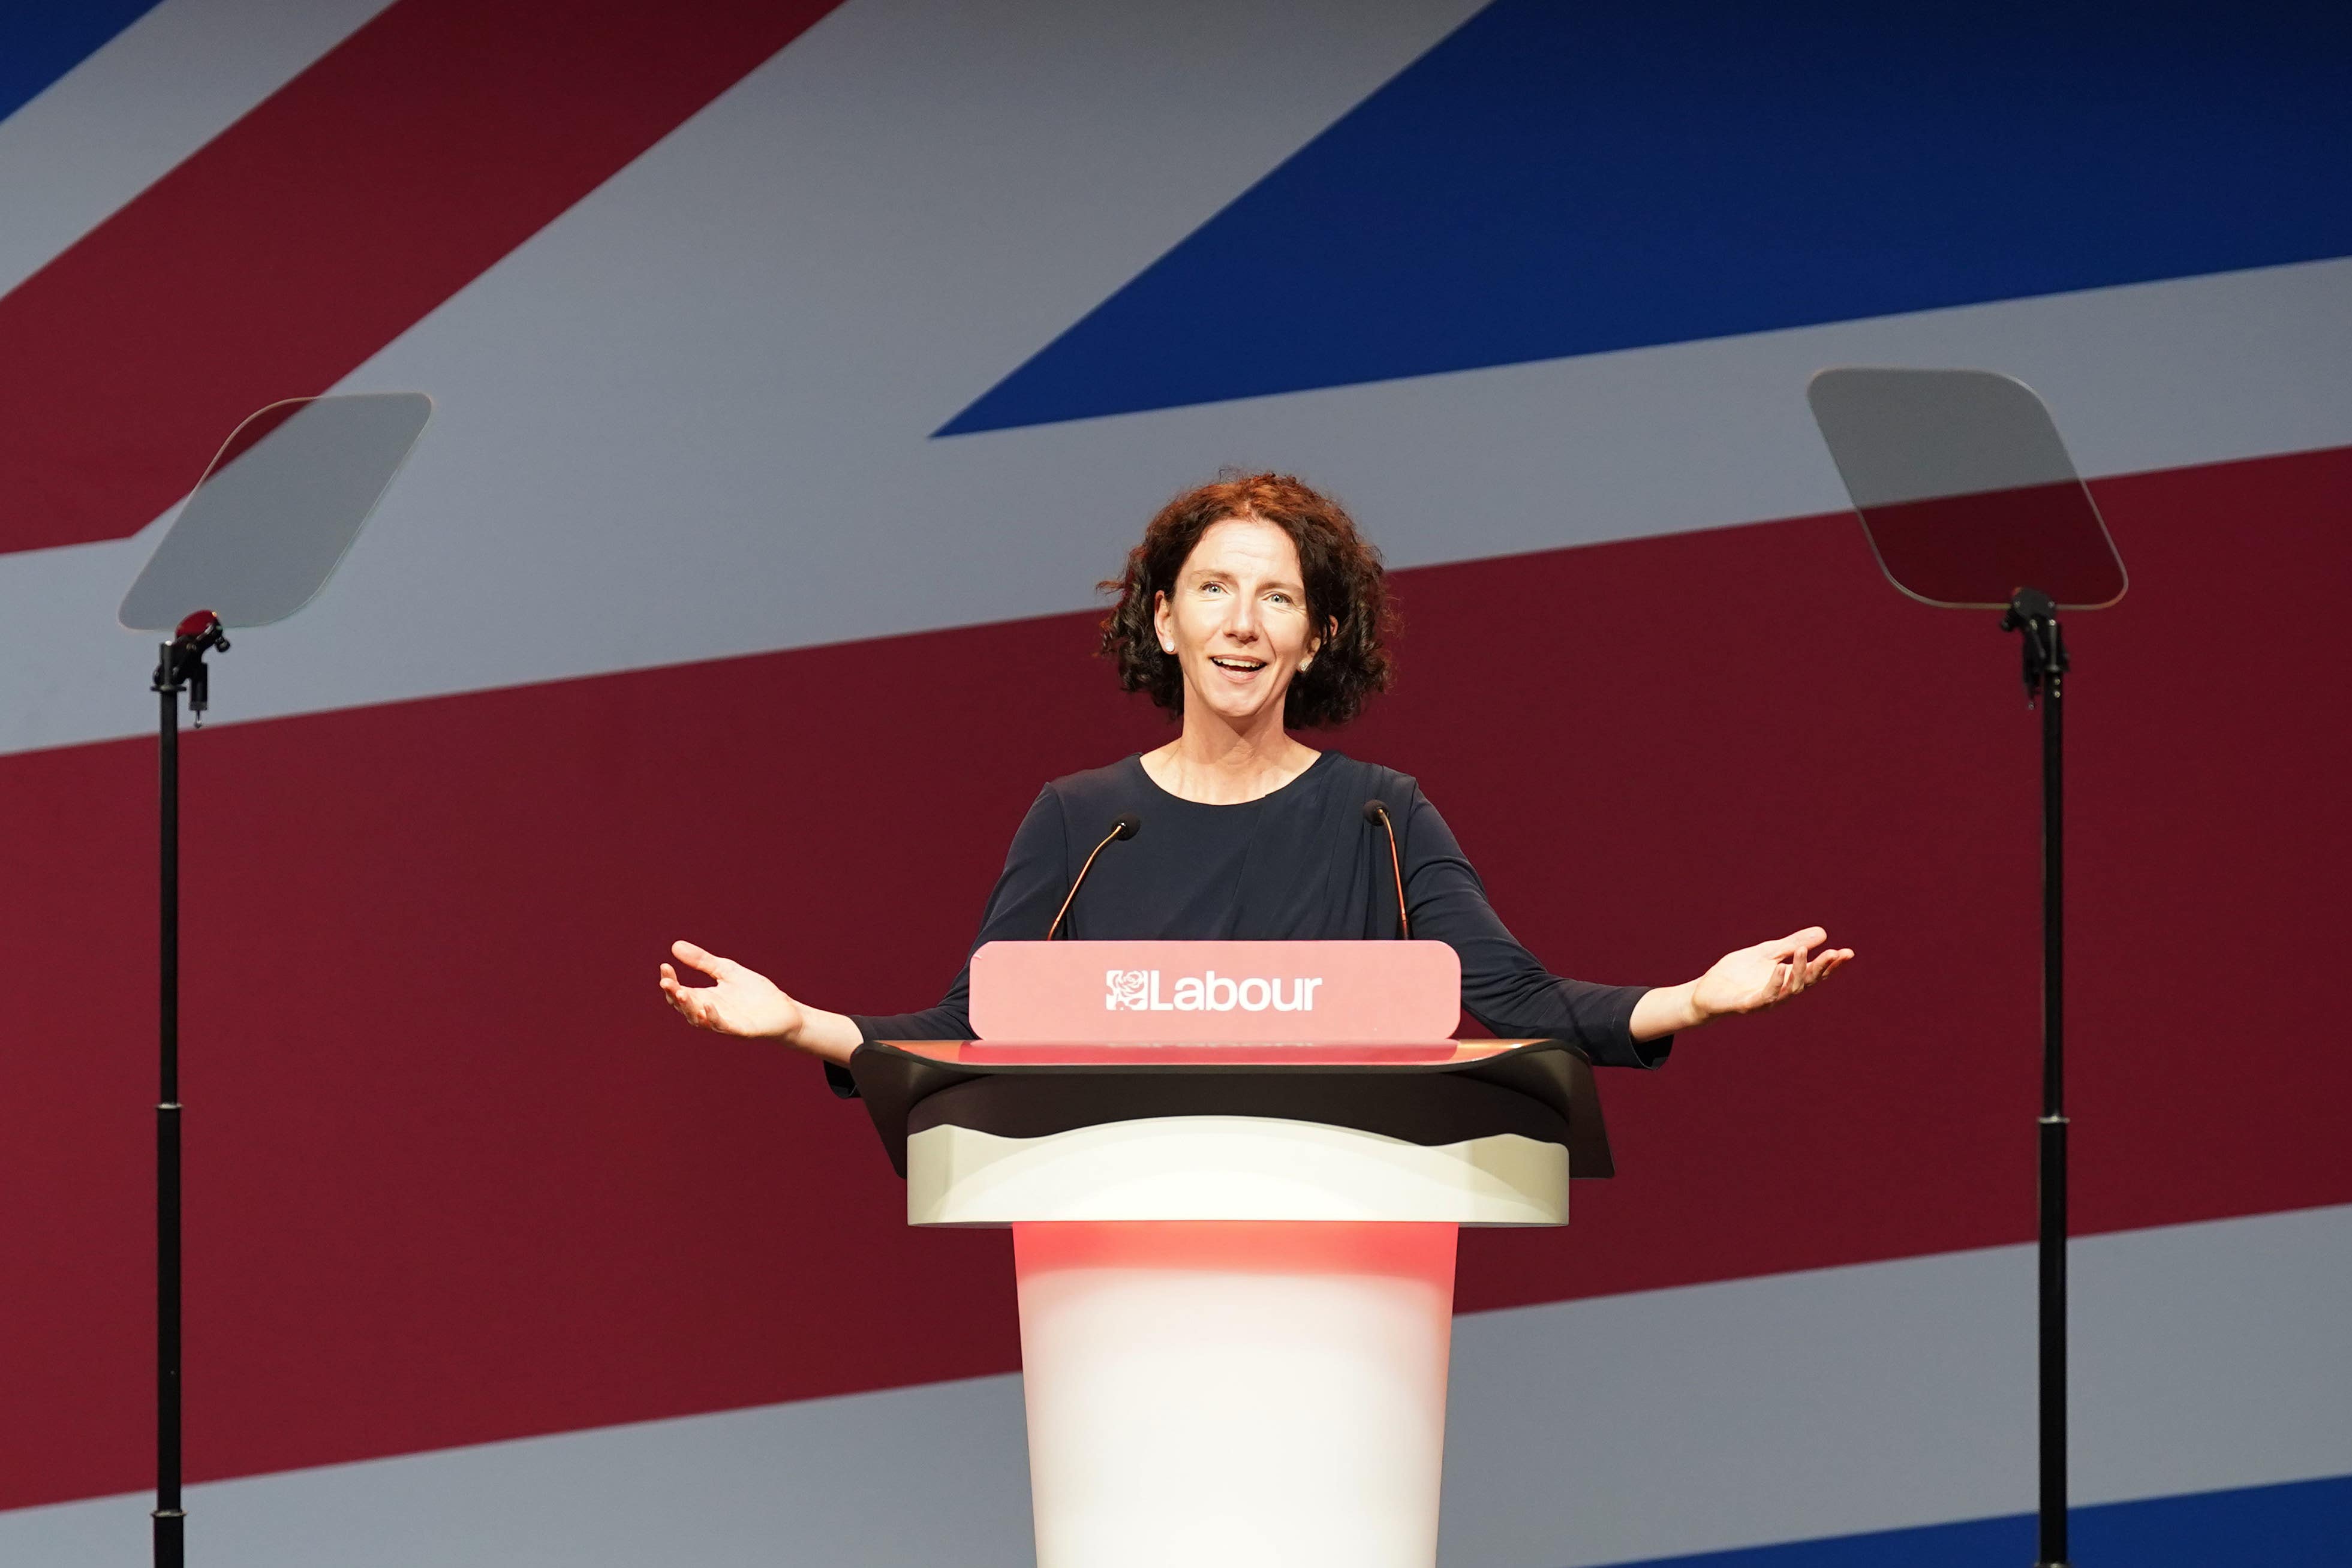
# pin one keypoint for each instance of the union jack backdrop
(799, 368)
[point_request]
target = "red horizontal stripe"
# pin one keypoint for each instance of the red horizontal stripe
(455, 1174)
(326, 223)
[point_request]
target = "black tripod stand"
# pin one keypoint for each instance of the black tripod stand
(179, 666)
(2032, 614)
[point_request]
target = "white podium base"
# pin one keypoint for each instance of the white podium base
(1235, 1393)
(1230, 1167)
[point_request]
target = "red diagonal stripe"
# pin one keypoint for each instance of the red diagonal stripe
(326, 222)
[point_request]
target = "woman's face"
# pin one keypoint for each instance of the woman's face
(1237, 620)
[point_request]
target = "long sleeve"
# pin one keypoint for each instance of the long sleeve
(1291, 867)
(1503, 986)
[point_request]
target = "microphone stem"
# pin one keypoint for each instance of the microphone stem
(1079, 881)
(1396, 869)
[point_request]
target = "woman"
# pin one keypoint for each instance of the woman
(1253, 607)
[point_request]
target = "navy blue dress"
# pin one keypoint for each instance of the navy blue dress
(1301, 863)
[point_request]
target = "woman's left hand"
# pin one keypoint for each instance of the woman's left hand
(1751, 979)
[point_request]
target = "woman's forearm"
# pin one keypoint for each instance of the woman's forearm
(1667, 1009)
(829, 1035)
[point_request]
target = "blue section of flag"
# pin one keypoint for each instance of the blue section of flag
(1556, 179)
(2300, 1524)
(40, 42)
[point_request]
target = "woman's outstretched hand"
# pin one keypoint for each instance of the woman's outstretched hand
(744, 1001)
(1747, 980)
(1753, 978)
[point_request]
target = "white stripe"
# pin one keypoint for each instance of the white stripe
(140, 104)
(1740, 1414)
(861, 235)
(689, 419)
(1892, 1394)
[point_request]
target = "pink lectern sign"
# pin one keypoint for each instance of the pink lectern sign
(1237, 993)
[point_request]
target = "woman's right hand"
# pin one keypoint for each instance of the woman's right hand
(743, 1001)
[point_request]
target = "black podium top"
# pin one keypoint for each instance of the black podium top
(1540, 1089)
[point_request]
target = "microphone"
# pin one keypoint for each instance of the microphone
(1126, 827)
(1377, 813)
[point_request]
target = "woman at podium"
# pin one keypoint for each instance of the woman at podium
(1253, 609)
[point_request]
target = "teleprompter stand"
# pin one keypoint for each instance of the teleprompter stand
(274, 515)
(2031, 614)
(179, 666)
(1965, 492)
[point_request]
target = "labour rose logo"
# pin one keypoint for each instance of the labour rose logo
(1128, 988)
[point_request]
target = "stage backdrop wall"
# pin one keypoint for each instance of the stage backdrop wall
(799, 368)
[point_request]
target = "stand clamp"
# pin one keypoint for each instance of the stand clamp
(2045, 647)
(180, 662)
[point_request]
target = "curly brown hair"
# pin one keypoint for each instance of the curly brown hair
(1346, 595)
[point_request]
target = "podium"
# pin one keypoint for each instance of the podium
(1234, 1173)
